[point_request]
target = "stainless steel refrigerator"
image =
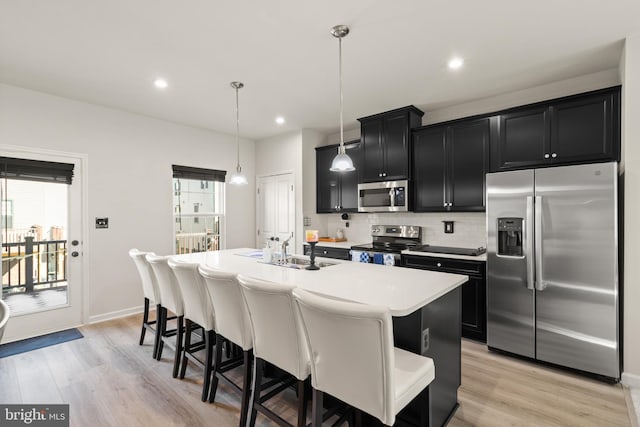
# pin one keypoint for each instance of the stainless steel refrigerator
(552, 266)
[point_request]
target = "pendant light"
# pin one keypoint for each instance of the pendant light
(342, 162)
(238, 178)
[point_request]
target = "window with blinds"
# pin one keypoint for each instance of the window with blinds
(198, 209)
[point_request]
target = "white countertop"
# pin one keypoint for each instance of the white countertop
(402, 290)
(341, 245)
(482, 257)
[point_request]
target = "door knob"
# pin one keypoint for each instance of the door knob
(74, 254)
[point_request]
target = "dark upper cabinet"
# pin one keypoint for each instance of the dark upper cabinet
(468, 164)
(523, 138)
(336, 191)
(449, 166)
(385, 144)
(429, 168)
(577, 129)
(586, 129)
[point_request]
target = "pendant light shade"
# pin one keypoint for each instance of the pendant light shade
(238, 178)
(342, 162)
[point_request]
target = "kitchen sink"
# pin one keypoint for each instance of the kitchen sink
(302, 263)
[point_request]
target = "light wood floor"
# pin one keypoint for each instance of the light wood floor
(109, 380)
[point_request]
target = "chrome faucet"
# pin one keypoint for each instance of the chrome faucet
(285, 243)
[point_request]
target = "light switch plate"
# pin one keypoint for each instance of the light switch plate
(102, 222)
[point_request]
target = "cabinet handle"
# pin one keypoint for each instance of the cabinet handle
(546, 155)
(439, 265)
(379, 174)
(324, 252)
(554, 155)
(384, 174)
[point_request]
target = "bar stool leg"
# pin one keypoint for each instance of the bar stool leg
(161, 329)
(157, 339)
(145, 319)
(302, 403)
(246, 387)
(258, 368)
(425, 410)
(209, 340)
(187, 345)
(178, 354)
(218, 359)
(316, 408)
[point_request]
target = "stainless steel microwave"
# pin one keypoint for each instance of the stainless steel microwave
(386, 196)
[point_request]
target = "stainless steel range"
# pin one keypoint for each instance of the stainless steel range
(388, 241)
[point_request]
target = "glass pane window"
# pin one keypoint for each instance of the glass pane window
(198, 210)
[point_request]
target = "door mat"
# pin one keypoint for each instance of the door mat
(35, 343)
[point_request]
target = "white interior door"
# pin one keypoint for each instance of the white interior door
(276, 209)
(53, 298)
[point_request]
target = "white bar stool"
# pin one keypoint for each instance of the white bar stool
(151, 296)
(171, 300)
(232, 324)
(5, 312)
(278, 339)
(354, 360)
(197, 310)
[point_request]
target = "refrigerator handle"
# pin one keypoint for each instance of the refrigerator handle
(528, 239)
(540, 285)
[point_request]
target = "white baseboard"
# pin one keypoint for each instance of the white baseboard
(115, 314)
(630, 380)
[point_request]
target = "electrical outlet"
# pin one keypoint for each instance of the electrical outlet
(425, 341)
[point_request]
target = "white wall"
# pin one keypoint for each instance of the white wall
(311, 140)
(283, 154)
(631, 137)
(129, 181)
(575, 85)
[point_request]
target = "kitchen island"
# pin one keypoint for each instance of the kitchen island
(425, 306)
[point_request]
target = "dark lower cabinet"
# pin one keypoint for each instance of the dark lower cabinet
(329, 252)
(474, 292)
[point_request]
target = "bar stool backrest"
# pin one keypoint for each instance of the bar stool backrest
(232, 318)
(167, 283)
(149, 285)
(352, 354)
(278, 336)
(197, 303)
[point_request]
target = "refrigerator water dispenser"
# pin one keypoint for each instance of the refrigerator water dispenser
(510, 237)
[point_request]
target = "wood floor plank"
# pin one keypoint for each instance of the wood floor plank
(36, 383)
(110, 380)
(9, 385)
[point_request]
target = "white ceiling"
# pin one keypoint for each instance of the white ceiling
(109, 52)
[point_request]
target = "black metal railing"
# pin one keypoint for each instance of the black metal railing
(29, 264)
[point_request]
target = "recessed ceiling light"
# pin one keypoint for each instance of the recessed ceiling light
(455, 63)
(280, 120)
(160, 83)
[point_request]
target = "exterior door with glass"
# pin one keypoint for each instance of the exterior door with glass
(42, 235)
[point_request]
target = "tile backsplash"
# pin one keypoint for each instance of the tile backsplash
(469, 227)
